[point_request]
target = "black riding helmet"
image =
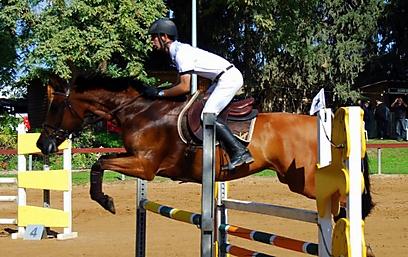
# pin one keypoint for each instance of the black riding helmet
(164, 26)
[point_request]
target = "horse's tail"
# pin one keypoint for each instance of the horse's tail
(367, 202)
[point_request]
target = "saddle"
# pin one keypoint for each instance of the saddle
(239, 116)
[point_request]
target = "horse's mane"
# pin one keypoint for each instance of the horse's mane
(85, 83)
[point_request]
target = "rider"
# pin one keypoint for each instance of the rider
(227, 80)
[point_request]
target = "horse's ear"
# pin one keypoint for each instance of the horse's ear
(57, 83)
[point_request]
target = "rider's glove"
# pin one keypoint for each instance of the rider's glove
(151, 92)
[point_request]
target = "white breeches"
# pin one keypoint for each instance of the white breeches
(223, 91)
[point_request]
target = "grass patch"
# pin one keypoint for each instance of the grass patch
(265, 173)
(83, 177)
(393, 160)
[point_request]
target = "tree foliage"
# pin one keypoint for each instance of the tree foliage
(390, 61)
(82, 36)
(8, 55)
(288, 50)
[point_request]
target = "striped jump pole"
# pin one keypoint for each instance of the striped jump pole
(224, 203)
(172, 213)
(241, 252)
(278, 241)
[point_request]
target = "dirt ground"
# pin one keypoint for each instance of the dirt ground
(103, 234)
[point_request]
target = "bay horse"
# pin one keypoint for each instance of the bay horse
(283, 142)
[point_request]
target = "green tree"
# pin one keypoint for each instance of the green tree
(8, 56)
(390, 61)
(288, 50)
(82, 36)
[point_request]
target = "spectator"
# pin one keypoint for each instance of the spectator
(366, 118)
(380, 115)
(400, 109)
(359, 102)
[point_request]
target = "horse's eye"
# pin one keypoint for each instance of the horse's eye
(53, 108)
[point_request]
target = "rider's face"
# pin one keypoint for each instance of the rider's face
(155, 40)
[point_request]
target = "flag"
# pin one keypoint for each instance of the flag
(319, 102)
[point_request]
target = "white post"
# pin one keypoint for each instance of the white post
(324, 122)
(354, 168)
(194, 40)
(21, 192)
(67, 195)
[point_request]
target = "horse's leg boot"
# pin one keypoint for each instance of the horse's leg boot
(96, 190)
(236, 150)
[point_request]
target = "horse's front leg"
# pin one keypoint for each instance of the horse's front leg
(96, 185)
(122, 163)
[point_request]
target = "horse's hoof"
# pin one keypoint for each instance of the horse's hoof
(107, 203)
(370, 252)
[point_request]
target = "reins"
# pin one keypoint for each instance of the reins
(111, 113)
(326, 134)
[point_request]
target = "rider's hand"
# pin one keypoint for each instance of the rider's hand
(151, 92)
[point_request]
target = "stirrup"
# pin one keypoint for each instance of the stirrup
(244, 160)
(228, 166)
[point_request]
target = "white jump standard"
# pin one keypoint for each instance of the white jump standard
(57, 180)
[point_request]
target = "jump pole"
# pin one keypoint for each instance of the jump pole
(208, 184)
(141, 222)
(225, 229)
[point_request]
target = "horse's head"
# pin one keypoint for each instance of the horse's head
(61, 120)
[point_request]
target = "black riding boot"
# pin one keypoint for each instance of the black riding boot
(236, 150)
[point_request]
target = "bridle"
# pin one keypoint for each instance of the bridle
(58, 133)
